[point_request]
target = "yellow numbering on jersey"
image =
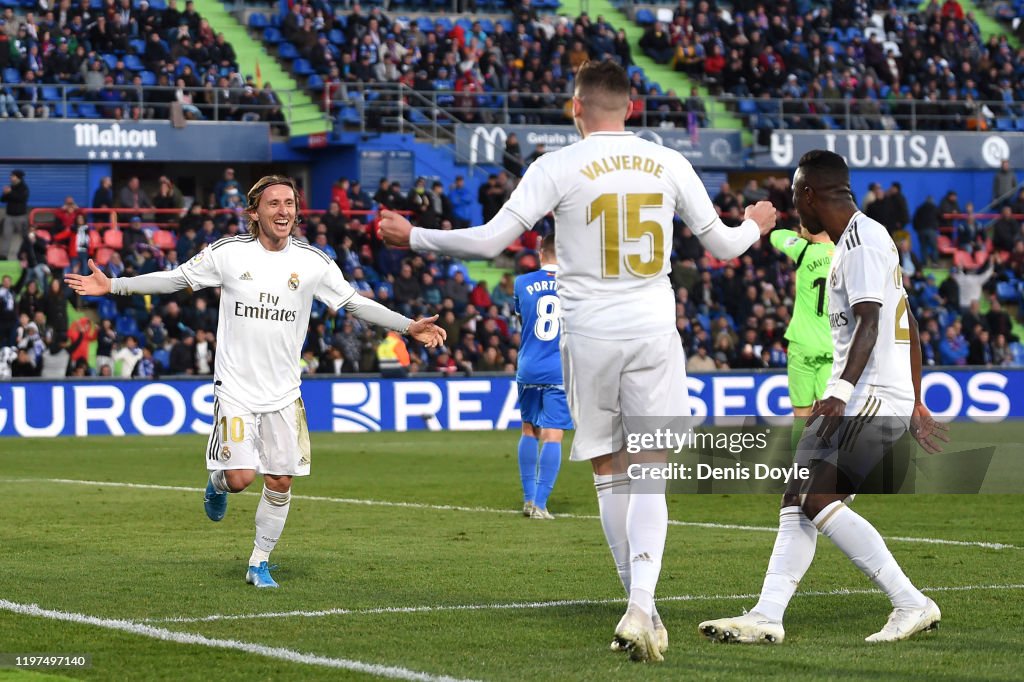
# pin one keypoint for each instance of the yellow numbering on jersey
(902, 321)
(608, 208)
(237, 431)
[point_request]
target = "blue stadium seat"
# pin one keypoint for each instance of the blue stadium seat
(315, 82)
(444, 24)
(63, 110)
(138, 45)
(258, 21)
(425, 24)
(747, 107)
(126, 325)
(87, 110)
(350, 115)
(51, 93)
(465, 23)
(335, 36)
(1018, 353)
(487, 25)
(1007, 292)
(508, 25)
(133, 63)
(107, 309)
(148, 78)
(157, 5)
(110, 60)
(12, 76)
(162, 358)
(272, 36)
(1005, 124)
(1020, 124)
(302, 67)
(287, 51)
(645, 17)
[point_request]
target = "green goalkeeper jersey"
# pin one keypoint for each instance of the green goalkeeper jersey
(809, 327)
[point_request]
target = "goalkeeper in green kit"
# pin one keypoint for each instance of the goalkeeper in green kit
(809, 363)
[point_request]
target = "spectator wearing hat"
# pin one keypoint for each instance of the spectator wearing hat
(15, 225)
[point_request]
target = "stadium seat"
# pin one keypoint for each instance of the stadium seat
(315, 82)
(164, 239)
(302, 67)
(133, 63)
(12, 76)
(107, 309)
(747, 107)
(88, 110)
(1007, 292)
(51, 93)
(287, 51)
(258, 21)
(103, 255)
(945, 244)
(114, 238)
(110, 60)
(126, 325)
(425, 24)
(148, 78)
(162, 358)
(57, 257)
(137, 45)
(273, 36)
(335, 36)
(645, 17)
(1005, 124)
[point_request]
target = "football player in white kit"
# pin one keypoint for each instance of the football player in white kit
(872, 398)
(268, 281)
(614, 196)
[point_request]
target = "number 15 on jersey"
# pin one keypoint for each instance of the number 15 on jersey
(621, 223)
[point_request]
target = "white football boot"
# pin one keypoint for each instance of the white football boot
(635, 634)
(660, 634)
(750, 628)
(904, 623)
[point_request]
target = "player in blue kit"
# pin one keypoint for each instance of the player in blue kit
(539, 375)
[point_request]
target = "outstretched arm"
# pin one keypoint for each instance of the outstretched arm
(98, 284)
(485, 241)
(423, 330)
(726, 242)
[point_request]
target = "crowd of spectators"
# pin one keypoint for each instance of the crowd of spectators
(126, 61)
(729, 314)
(530, 57)
(876, 56)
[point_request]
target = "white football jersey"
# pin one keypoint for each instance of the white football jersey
(614, 196)
(866, 267)
(265, 302)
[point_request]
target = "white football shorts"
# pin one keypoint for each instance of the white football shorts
(870, 427)
(275, 443)
(606, 379)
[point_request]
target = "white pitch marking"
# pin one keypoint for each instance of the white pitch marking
(279, 653)
(489, 510)
(842, 592)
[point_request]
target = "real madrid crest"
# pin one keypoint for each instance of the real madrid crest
(225, 453)
(293, 281)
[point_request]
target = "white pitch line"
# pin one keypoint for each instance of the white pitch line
(543, 604)
(490, 510)
(279, 653)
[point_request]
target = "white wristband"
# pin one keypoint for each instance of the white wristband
(842, 390)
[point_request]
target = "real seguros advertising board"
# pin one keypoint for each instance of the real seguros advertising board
(345, 405)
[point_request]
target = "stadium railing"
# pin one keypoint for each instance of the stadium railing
(77, 101)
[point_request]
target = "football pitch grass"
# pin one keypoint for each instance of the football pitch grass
(405, 555)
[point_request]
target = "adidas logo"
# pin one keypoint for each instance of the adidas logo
(246, 277)
(642, 557)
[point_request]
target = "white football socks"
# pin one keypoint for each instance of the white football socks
(270, 517)
(613, 503)
(859, 540)
(219, 481)
(646, 528)
(791, 557)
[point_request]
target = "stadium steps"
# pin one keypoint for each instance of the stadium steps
(304, 116)
(988, 24)
(719, 116)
